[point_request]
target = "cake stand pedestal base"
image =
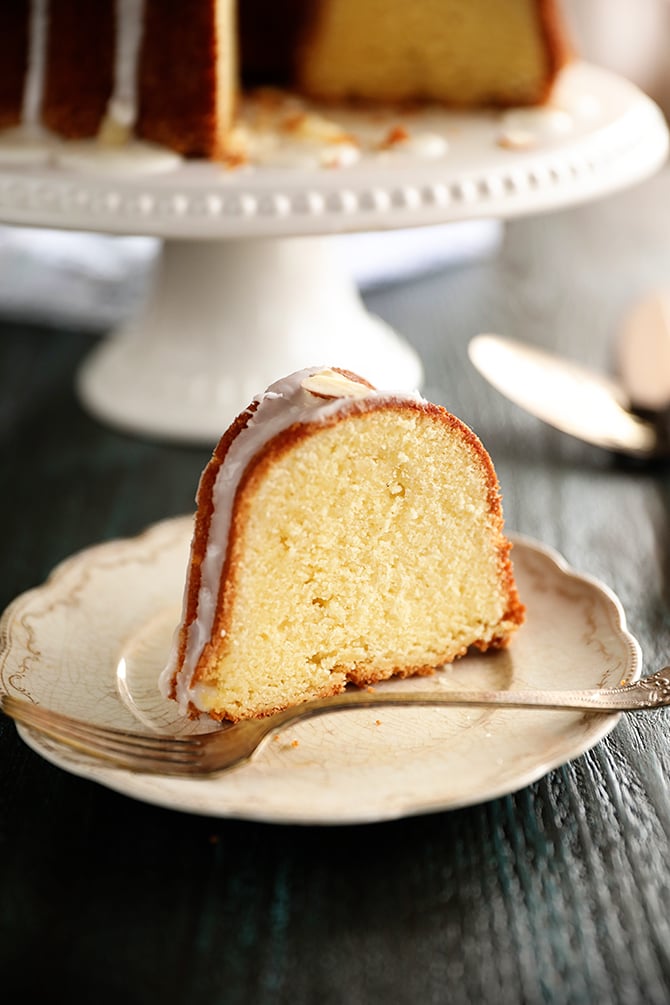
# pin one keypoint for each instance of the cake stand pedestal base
(227, 318)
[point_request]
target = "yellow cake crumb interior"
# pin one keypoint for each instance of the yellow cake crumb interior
(439, 49)
(368, 543)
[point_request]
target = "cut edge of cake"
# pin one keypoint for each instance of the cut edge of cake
(293, 412)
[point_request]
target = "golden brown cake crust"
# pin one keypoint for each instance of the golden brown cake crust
(203, 519)
(13, 59)
(271, 38)
(271, 451)
(177, 106)
(79, 69)
(559, 52)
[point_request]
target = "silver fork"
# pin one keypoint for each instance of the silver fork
(228, 746)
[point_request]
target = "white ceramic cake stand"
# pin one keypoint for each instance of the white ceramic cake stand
(249, 285)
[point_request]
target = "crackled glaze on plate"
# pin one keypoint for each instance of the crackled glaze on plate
(92, 640)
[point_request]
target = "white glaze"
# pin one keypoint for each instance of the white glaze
(28, 145)
(115, 150)
(38, 32)
(118, 121)
(428, 146)
(302, 155)
(132, 157)
(544, 124)
(129, 24)
(339, 155)
(270, 147)
(30, 142)
(283, 404)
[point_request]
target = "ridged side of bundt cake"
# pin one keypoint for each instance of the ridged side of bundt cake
(172, 73)
(79, 67)
(187, 76)
(362, 543)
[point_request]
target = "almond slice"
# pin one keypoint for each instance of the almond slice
(331, 384)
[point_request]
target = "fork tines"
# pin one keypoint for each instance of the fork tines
(129, 749)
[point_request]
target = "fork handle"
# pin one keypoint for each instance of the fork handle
(647, 693)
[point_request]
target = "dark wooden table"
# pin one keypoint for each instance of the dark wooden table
(557, 894)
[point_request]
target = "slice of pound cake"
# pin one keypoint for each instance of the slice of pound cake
(342, 534)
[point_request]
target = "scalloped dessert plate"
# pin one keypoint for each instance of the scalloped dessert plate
(92, 641)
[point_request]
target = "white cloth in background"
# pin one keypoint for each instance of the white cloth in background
(381, 257)
(94, 281)
(72, 279)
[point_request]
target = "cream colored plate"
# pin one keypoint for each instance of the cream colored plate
(92, 640)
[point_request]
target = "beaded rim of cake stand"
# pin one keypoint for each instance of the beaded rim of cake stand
(202, 201)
